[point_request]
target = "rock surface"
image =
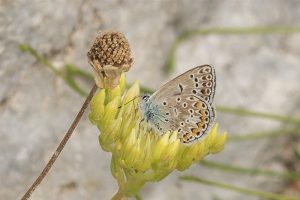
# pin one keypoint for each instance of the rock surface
(259, 72)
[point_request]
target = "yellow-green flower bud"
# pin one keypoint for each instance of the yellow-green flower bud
(138, 154)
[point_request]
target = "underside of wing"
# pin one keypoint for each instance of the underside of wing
(199, 81)
(190, 115)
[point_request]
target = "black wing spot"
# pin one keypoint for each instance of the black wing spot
(208, 84)
(180, 87)
(175, 112)
(209, 77)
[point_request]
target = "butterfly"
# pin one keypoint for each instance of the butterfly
(183, 104)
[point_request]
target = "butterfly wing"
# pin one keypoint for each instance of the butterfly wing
(190, 115)
(184, 104)
(199, 81)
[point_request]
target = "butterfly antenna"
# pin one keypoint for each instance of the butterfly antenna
(130, 101)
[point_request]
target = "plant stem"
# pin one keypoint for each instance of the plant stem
(222, 31)
(138, 197)
(251, 171)
(61, 145)
(245, 112)
(246, 191)
(66, 75)
(264, 134)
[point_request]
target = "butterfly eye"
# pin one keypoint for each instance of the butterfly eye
(184, 105)
(181, 123)
(191, 111)
(196, 79)
(196, 85)
(178, 99)
(165, 103)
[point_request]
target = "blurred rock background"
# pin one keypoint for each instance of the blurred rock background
(257, 72)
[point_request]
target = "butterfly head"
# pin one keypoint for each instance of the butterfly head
(144, 104)
(144, 100)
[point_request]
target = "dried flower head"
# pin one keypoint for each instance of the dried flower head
(138, 154)
(109, 56)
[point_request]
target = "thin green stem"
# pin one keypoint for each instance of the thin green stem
(138, 197)
(246, 191)
(250, 113)
(65, 75)
(239, 31)
(223, 31)
(264, 134)
(251, 171)
(28, 49)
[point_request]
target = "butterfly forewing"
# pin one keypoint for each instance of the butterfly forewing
(199, 81)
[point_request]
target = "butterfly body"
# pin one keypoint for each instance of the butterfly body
(184, 104)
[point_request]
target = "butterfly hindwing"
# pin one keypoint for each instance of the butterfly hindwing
(188, 114)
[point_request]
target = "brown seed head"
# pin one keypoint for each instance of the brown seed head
(110, 56)
(111, 48)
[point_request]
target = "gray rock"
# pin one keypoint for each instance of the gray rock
(259, 72)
